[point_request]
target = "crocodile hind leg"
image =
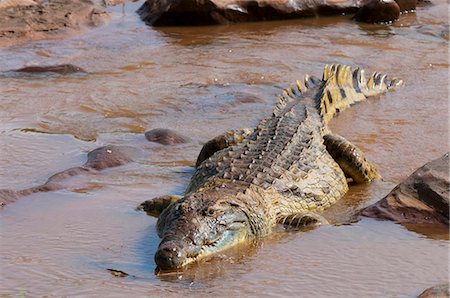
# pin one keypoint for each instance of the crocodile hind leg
(301, 220)
(227, 139)
(155, 206)
(351, 159)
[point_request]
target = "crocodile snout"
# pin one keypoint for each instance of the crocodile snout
(170, 255)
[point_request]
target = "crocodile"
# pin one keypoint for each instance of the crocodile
(285, 171)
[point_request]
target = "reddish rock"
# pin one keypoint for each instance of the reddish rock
(423, 198)
(207, 12)
(439, 291)
(47, 19)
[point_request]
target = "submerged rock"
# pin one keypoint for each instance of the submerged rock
(439, 291)
(110, 156)
(165, 136)
(59, 69)
(423, 198)
(98, 159)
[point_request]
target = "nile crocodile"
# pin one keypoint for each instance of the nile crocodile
(285, 171)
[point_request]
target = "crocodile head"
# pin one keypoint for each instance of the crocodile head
(195, 227)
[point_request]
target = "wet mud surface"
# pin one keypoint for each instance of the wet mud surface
(22, 20)
(200, 82)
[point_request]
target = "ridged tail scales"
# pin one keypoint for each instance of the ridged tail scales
(339, 88)
(343, 87)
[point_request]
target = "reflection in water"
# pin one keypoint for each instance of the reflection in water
(216, 266)
(201, 82)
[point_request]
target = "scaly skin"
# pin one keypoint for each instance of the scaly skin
(281, 172)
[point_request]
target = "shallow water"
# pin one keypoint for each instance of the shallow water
(201, 82)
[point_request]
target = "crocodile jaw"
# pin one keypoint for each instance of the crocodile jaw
(172, 255)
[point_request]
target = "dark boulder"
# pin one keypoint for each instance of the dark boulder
(378, 11)
(407, 5)
(208, 12)
(423, 198)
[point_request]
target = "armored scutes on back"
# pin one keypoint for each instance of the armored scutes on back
(286, 170)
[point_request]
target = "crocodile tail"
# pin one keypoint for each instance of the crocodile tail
(294, 92)
(288, 95)
(343, 87)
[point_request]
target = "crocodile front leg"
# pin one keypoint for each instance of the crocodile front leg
(225, 140)
(155, 206)
(351, 159)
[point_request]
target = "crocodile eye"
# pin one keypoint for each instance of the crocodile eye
(211, 211)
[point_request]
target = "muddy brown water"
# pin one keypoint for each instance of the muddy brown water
(201, 82)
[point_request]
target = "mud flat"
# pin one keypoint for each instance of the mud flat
(22, 20)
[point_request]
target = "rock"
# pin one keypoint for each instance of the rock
(59, 69)
(29, 20)
(165, 136)
(117, 273)
(4, 4)
(378, 11)
(110, 156)
(98, 159)
(423, 198)
(439, 291)
(117, 2)
(207, 12)
(407, 5)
